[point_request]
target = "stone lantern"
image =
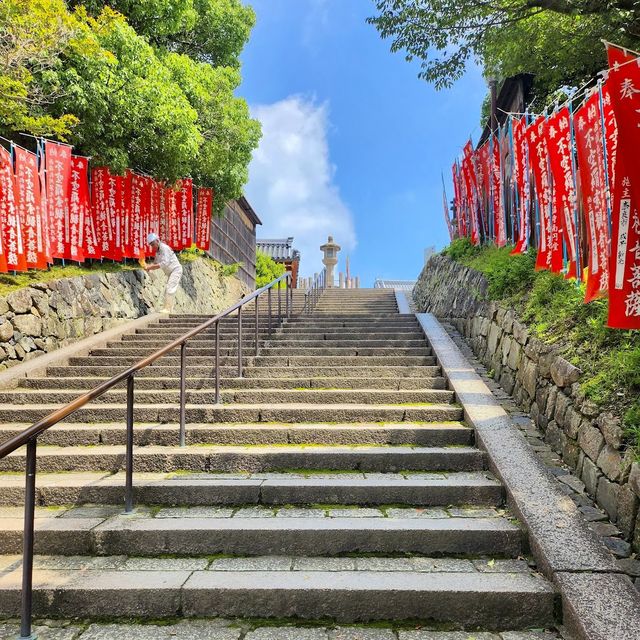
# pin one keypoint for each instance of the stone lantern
(330, 259)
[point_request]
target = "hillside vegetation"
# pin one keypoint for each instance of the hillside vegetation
(554, 310)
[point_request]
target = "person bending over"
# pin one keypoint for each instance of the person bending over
(167, 261)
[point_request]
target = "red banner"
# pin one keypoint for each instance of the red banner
(624, 283)
(203, 218)
(12, 256)
(558, 132)
(458, 200)
(79, 210)
(471, 186)
(81, 196)
(30, 208)
(100, 209)
(173, 225)
(549, 249)
(589, 137)
(497, 193)
(184, 204)
(520, 172)
(58, 173)
(156, 204)
(135, 219)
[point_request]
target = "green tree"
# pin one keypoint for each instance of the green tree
(114, 80)
(267, 269)
(559, 41)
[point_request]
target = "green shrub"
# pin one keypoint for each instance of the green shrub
(554, 309)
(267, 269)
(461, 248)
(231, 269)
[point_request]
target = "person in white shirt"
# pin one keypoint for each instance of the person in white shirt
(167, 261)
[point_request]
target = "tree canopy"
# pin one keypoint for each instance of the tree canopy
(559, 41)
(147, 85)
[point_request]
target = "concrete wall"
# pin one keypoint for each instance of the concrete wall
(46, 316)
(542, 383)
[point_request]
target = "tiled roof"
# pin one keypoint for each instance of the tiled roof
(278, 249)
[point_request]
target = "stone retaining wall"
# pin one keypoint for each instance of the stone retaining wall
(541, 382)
(45, 316)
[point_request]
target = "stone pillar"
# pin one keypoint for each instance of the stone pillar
(357, 282)
(341, 280)
(330, 250)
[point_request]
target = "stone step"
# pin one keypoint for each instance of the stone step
(426, 435)
(472, 489)
(340, 307)
(258, 630)
(338, 320)
(471, 599)
(304, 361)
(253, 459)
(271, 350)
(242, 396)
(333, 532)
(88, 382)
(292, 413)
(287, 332)
(193, 370)
(150, 340)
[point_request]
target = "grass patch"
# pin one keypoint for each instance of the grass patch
(553, 308)
(9, 283)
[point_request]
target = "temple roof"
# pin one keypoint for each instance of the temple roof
(279, 249)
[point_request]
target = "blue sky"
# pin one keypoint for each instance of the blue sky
(354, 143)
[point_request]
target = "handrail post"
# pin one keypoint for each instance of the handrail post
(287, 295)
(269, 305)
(183, 394)
(27, 549)
(128, 496)
(217, 368)
(279, 303)
(256, 327)
(239, 342)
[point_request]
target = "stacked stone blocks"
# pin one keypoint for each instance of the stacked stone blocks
(541, 382)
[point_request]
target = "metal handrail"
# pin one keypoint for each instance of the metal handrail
(312, 294)
(30, 435)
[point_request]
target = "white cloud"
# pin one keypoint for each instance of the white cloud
(291, 181)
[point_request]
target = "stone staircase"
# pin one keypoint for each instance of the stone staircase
(336, 483)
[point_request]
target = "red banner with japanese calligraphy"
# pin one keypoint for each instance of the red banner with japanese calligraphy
(58, 173)
(100, 183)
(156, 205)
(591, 163)
(80, 198)
(497, 193)
(203, 218)
(173, 224)
(11, 239)
(520, 174)
(184, 205)
(549, 249)
(458, 200)
(471, 187)
(558, 133)
(79, 209)
(29, 203)
(624, 283)
(136, 230)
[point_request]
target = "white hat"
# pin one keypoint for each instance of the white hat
(152, 237)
